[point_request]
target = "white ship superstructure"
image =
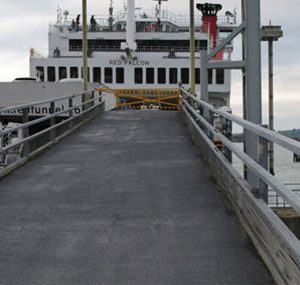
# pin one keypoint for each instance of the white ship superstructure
(136, 48)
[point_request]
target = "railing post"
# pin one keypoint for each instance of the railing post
(262, 159)
(228, 134)
(1, 146)
(25, 119)
(211, 119)
(92, 97)
(70, 105)
(52, 121)
(100, 97)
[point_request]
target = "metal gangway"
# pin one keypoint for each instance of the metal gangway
(130, 198)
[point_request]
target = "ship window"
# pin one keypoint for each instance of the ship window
(220, 76)
(51, 73)
(210, 76)
(173, 76)
(185, 75)
(39, 71)
(161, 75)
(62, 72)
(108, 75)
(138, 75)
(150, 75)
(74, 72)
(120, 75)
(169, 45)
(88, 73)
(197, 75)
(96, 74)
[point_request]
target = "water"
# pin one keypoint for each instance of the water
(287, 171)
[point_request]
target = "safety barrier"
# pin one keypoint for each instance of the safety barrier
(20, 142)
(277, 245)
(162, 99)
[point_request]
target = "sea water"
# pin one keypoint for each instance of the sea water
(286, 170)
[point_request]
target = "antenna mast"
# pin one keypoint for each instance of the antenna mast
(111, 18)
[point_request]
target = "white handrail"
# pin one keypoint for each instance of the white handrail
(271, 136)
(260, 172)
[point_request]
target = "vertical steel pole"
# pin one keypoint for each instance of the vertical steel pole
(84, 50)
(271, 105)
(192, 47)
(253, 80)
(204, 75)
(204, 79)
(243, 6)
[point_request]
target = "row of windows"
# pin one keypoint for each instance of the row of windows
(118, 76)
(96, 45)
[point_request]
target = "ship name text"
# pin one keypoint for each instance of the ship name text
(135, 62)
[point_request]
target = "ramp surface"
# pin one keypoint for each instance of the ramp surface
(125, 200)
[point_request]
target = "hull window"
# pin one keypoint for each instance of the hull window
(220, 76)
(185, 74)
(62, 72)
(150, 75)
(138, 75)
(161, 75)
(108, 75)
(173, 76)
(210, 76)
(120, 75)
(97, 74)
(197, 76)
(74, 72)
(39, 72)
(51, 73)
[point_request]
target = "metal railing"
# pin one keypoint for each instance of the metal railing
(277, 244)
(275, 201)
(37, 131)
(197, 108)
(139, 49)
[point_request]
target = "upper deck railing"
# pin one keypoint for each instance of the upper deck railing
(146, 22)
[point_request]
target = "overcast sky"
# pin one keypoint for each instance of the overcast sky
(24, 24)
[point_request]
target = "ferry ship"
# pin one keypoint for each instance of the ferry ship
(135, 48)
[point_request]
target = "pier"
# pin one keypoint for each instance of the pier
(137, 196)
(125, 200)
(147, 196)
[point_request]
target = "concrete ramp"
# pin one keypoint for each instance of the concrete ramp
(125, 200)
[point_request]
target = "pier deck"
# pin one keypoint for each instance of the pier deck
(125, 200)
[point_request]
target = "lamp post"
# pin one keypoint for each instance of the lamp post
(271, 33)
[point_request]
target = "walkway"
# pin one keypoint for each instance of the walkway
(126, 200)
